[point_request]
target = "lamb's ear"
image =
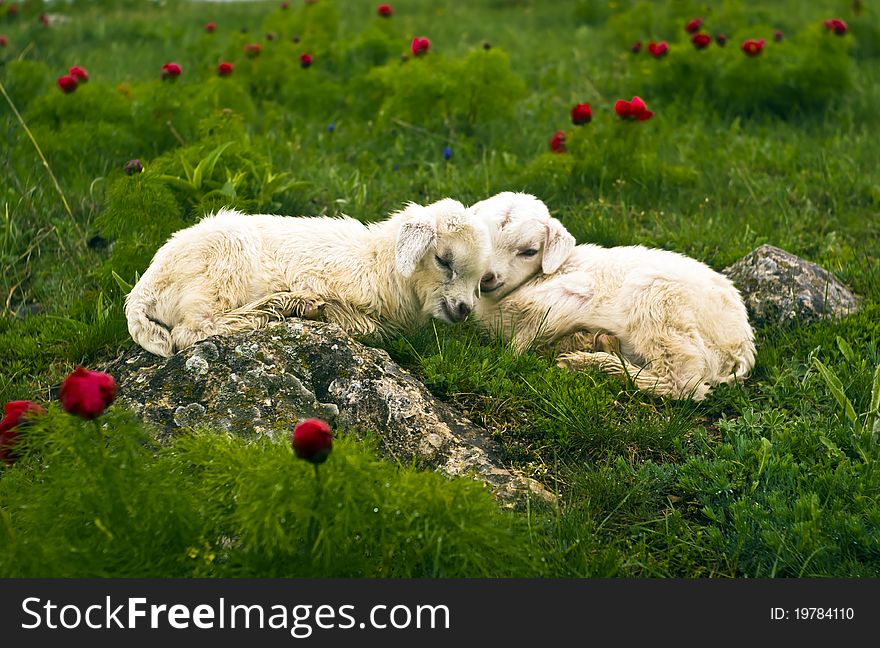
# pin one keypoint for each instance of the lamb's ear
(557, 247)
(413, 239)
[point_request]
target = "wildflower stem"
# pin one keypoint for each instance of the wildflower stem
(312, 532)
(175, 133)
(40, 153)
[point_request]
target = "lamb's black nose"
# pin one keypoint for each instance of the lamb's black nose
(463, 311)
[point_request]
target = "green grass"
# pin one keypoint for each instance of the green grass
(773, 478)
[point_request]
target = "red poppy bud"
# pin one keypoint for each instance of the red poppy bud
(636, 47)
(385, 10)
(79, 74)
(658, 50)
(312, 440)
(581, 114)
(693, 25)
(721, 39)
(87, 393)
(752, 47)
(211, 27)
(3, 41)
(557, 142)
(777, 36)
(305, 60)
(836, 25)
(44, 20)
(171, 71)
(16, 414)
(420, 45)
(67, 83)
(701, 41)
(225, 69)
(252, 50)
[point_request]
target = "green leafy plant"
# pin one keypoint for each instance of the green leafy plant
(866, 425)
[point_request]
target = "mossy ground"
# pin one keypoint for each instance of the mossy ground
(771, 478)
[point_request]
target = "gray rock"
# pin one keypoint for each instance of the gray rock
(780, 287)
(262, 382)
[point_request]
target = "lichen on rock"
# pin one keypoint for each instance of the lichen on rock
(778, 286)
(263, 381)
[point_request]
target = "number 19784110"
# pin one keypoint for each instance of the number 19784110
(817, 613)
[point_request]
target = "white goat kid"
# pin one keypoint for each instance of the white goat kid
(233, 272)
(679, 328)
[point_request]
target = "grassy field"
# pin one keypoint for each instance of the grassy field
(778, 477)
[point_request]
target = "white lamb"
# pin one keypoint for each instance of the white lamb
(679, 328)
(232, 272)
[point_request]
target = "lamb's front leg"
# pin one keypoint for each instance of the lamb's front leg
(616, 365)
(274, 307)
(588, 341)
(352, 321)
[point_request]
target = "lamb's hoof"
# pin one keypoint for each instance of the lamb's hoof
(311, 309)
(567, 361)
(607, 343)
(306, 309)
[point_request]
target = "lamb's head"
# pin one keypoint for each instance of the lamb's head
(443, 253)
(526, 241)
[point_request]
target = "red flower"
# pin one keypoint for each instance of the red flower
(312, 440)
(693, 25)
(557, 142)
(753, 47)
(225, 68)
(635, 109)
(721, 39)
(581, 114)
(171, 71)
(211, 27)
(836, 25)
(285, 5)
(44, 20)
(658, 50)
(701, 41)
(420, 45)
(15, 412)
(79, 74)
(3, 41)
(87, 393)
(385, 10)
(252, 50)
(305, 60)
(67, 83)
(636, 47)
